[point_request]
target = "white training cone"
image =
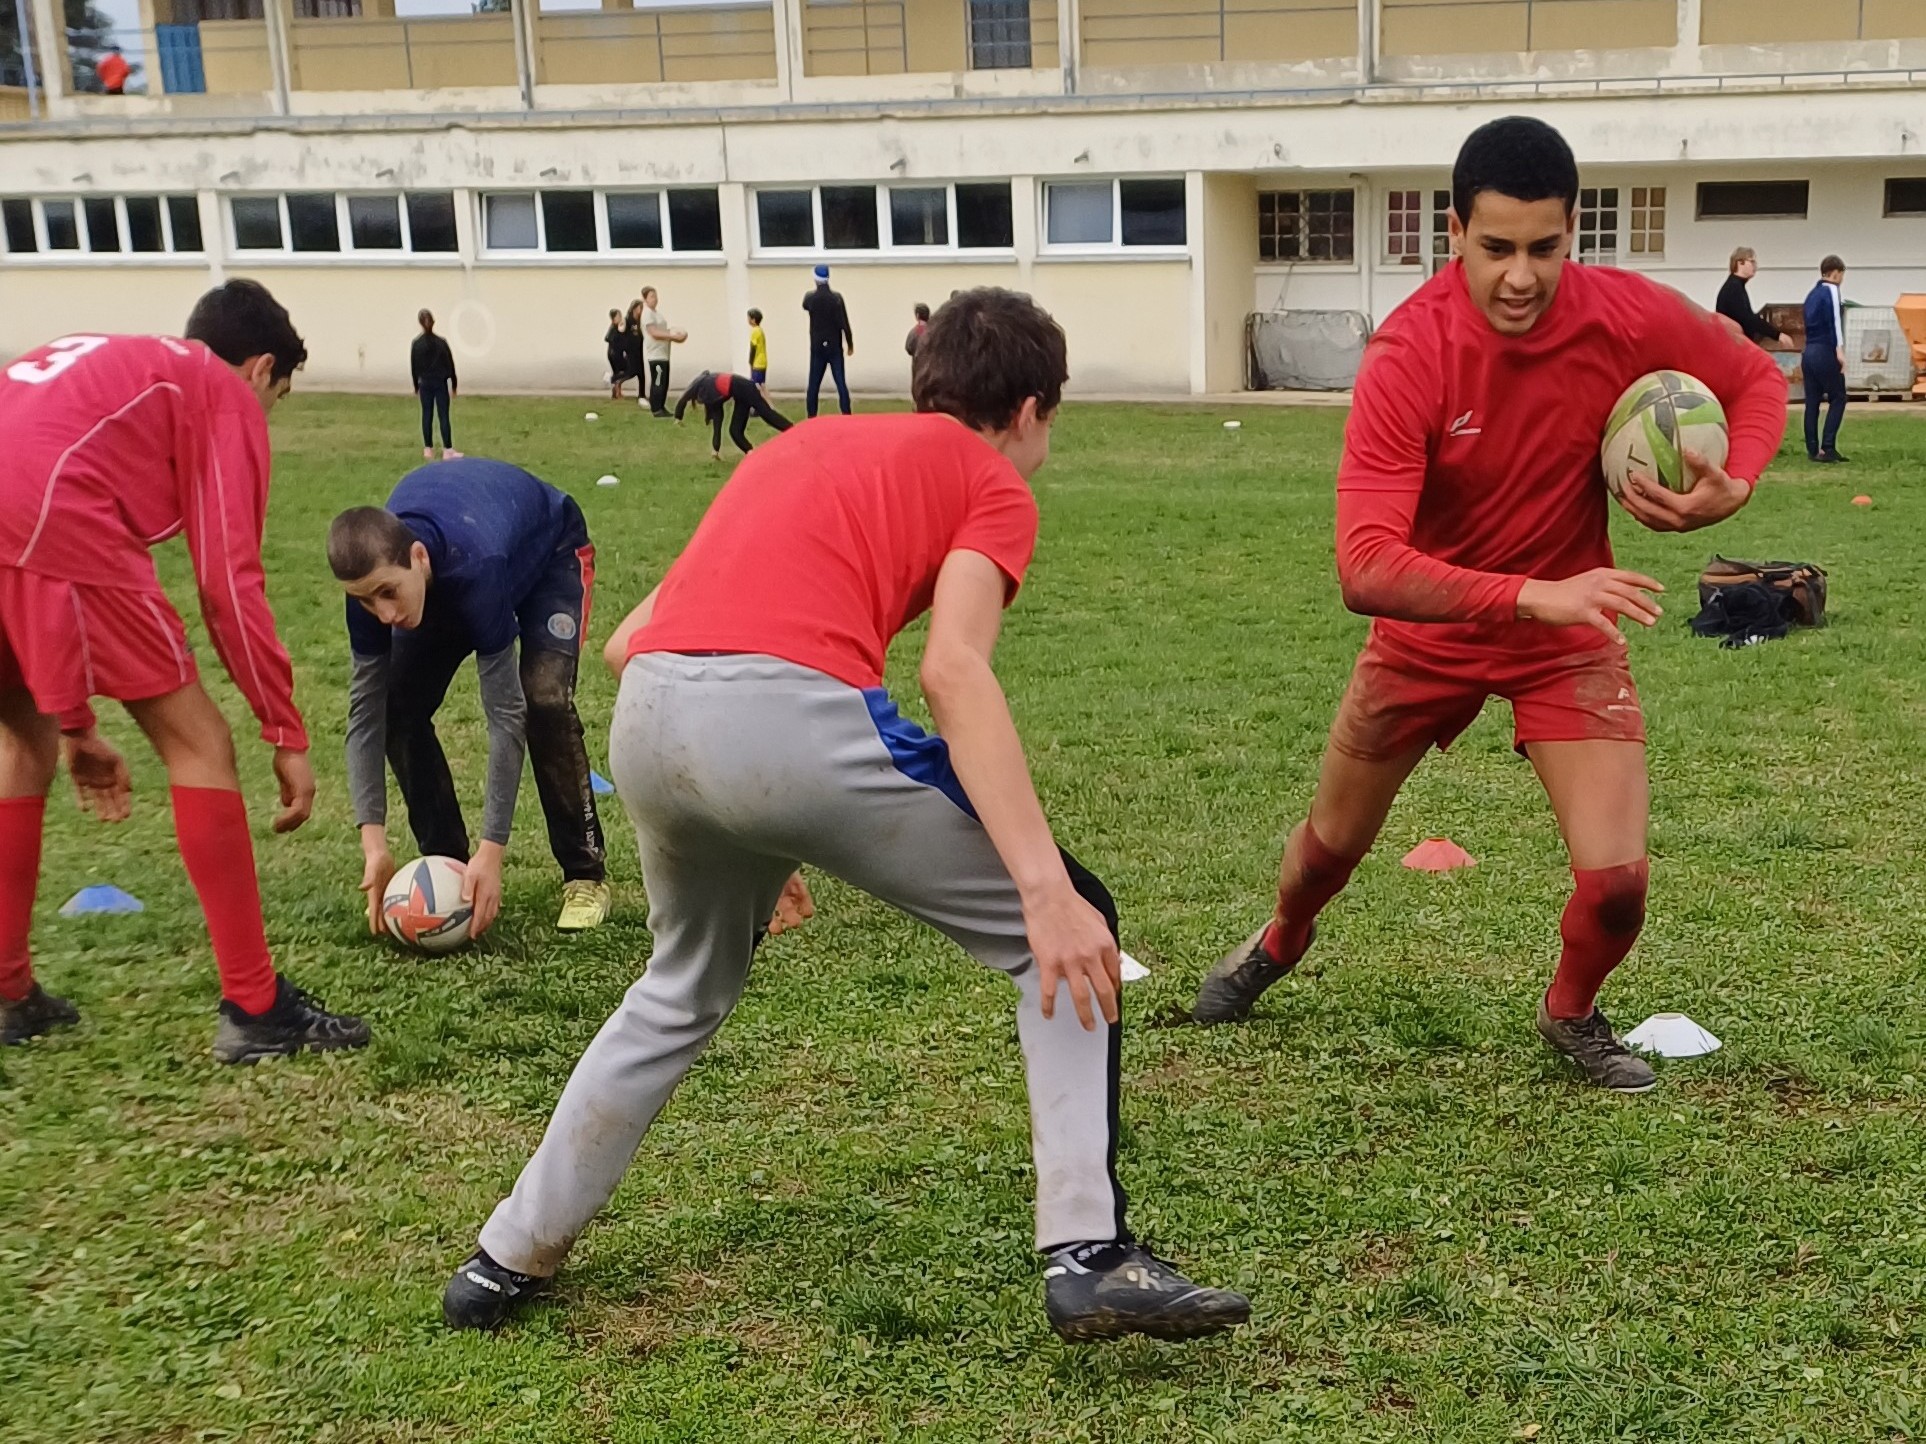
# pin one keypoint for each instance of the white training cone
(1132, 970)
(590, 416)
(607, 481)
(1233, 426)
(1671, 1035)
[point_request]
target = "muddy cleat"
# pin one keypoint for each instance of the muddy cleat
(297, 1023)
(1231, 989)
(1105, 1291)
(1594, 1047)
(585, 905)
(39, 1012)
(482, 1294)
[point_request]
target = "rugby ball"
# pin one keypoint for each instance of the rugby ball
(1660, 416)
(423, 908)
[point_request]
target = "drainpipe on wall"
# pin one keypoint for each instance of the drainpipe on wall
(1069, 42)
(523, 17)
(1368, 41)
(276, 13)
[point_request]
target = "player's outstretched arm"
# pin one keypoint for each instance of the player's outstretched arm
(367, 754)
(1070, 939)
(506, 712)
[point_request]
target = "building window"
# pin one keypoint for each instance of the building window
(1440, 230)
(1305, 225)
(635, 220)
(984, 221)
(695, 220)
(1753, 200)
(1403, 227)
(1645, 236)
(329, 223)
(1114, 215)
(102, 225)
(969, 216)
(568, 221)
(999, 34)
(1598, 225)
(1906, 197)
(587, 222)
(849, 218)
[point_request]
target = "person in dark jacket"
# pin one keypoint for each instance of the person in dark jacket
(433, 365)
(617, 341)
(915, 337)
(632, 346)
(1736, 306)
(711, 389)
(830, 340)
(1824, 361)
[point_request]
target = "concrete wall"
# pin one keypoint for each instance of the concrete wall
(1444, 27)
(1132, 33)
(383, 54)
(1752, 22)
(1230, 260)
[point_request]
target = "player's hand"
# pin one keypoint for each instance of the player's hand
(850, 349)
(100, 775)
(794, 908)
(1713, 497)
(481, 887)
(1072, 942)
(377, 871)
(296, 777)
(1597, 598)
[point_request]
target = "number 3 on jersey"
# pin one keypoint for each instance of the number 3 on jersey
(65, 351)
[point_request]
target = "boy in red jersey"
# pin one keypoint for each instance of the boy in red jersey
(753, 733)
(116, 443)
(1472, 526)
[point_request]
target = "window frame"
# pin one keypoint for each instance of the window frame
(1418, 235)
(1699, 195)
(1304, 194)
(84, 254)
(1889, 188)
(347, 250)
(606, 251)
(886, 245)
(1116, 246)
(1605, 201)
(993, 47)
(1657, 200)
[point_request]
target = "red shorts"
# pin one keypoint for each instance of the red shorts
(65, 642)
(1398, 703)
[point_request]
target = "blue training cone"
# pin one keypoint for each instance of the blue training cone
(101, 898)
(600, 783)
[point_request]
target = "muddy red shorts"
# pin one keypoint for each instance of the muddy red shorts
(1398, 703)
(65, 642)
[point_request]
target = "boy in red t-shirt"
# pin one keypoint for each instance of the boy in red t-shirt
(1472, 526)
(753, 733)
(114, 444)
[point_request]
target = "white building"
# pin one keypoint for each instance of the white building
(1152, 170)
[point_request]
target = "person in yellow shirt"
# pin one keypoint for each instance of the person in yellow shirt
(758, 349)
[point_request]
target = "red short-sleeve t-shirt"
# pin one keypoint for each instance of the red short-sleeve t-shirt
(826, 542)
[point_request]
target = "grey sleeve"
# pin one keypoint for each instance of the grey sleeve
(368, 739)
(507, 713)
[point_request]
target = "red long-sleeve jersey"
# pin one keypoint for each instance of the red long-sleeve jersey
(115, 444)
(1471, 458)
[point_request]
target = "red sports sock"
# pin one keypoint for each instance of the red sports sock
(1601, 923)
(211, 826)
(21, 819)
(1313, 875)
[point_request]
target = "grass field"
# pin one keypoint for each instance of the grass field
(827, 1236)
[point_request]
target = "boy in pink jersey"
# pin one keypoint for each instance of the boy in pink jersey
(115, 444)
(1472, 527)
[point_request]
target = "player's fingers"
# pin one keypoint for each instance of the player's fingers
(1633, 606)
(1106, 987)
(1606, 624)
(1080, 995)
(1047, 999)
(1637, 579)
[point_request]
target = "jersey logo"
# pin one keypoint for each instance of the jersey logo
(1463, 427)
(561, 626)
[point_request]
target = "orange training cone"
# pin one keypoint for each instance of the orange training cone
(1862, 501)
(1438, 854)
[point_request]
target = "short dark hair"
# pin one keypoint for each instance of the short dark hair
(1515, 156)
(1830, 264)
(364, 539)
(239, 320)
(985, 351)
(922, 311)
(755, 315)
(426, 317)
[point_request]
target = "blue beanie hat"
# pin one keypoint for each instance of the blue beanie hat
(822, 273)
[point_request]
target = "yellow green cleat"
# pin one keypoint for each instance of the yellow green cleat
(585, 905)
